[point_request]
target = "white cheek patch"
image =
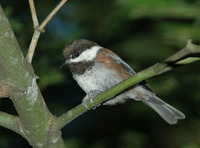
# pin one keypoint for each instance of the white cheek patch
(87, 55)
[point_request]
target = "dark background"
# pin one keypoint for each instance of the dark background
(142, 32)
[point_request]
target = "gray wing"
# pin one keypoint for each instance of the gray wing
(129, 70)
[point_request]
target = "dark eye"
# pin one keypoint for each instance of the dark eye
(75, 55)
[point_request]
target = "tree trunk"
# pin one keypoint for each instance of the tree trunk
(19, 81)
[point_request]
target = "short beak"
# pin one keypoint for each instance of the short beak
(65, 63)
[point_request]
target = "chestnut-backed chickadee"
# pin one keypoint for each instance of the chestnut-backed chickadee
(96, 69)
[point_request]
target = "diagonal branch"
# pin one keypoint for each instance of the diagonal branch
(33, 45)
(180, 58)
(191, 50)
(11, 122)
(53, 12)
(39, 29)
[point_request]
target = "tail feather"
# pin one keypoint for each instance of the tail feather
(166, 111)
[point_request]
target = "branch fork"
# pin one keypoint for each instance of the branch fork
(39, 28)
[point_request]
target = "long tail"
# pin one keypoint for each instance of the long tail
(166, 111)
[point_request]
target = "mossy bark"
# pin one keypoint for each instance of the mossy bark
(17, 75)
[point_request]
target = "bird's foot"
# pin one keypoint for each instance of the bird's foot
(89, 98)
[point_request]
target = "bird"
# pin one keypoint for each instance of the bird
(96, 69)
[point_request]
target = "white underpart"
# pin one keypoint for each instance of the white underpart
(98, 77)
(87, 55)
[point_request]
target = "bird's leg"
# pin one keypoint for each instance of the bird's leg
(89, 98)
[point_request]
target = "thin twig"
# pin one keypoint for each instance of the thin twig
(39, 29)
(189, 50)
(53, 12)
(33, 13)
(32, 46)
(36, 34)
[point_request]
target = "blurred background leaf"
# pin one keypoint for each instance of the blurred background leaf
(142, 32)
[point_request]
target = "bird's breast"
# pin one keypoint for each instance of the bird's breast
(97, 77)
